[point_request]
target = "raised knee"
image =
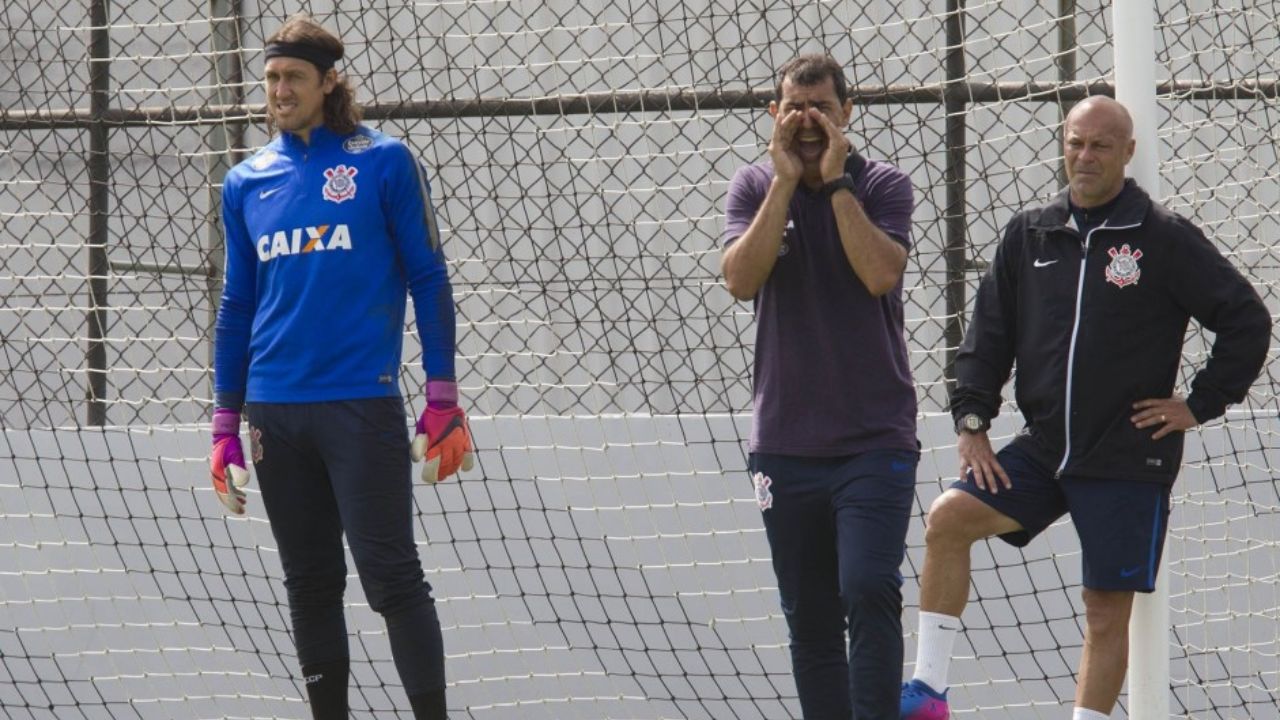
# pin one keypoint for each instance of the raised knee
(950, 520)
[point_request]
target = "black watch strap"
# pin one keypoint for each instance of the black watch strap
(844, 182)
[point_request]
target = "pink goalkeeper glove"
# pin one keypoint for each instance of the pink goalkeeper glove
(226, 462)
(443, 437)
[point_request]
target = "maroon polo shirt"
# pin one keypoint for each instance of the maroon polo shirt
(831, 371)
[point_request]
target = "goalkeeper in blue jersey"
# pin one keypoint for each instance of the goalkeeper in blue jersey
(327, 228)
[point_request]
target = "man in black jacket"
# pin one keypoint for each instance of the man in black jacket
(1090, 296)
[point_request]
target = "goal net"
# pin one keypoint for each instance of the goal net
(606, 558)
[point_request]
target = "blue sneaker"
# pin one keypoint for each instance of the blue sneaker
(921, 702)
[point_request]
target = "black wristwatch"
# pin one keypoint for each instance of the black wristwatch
(844, 182)
(972, 423)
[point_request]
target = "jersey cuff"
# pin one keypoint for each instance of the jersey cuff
(228, 401)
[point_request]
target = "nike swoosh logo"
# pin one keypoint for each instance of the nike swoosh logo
(268, 193)
(1043, 263)
(1129, 572)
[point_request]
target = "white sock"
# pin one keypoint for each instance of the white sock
(933, 654)
(1083, 714)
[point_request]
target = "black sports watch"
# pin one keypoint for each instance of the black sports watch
(844, 182)
(972, 423)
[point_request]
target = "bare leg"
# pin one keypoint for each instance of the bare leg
(956, 521)
(1105, 659)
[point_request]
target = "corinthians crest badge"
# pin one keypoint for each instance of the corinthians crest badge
(339, 184)
(1123, 269)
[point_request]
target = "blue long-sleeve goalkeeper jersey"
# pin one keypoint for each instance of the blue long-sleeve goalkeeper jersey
(323, 240)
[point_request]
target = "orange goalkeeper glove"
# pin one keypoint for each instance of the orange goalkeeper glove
(443, 437)
(226, 461)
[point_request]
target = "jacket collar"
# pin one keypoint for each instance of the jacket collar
(321, 136)
(1131, 209)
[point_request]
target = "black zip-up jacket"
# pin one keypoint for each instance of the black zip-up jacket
(1096, 323)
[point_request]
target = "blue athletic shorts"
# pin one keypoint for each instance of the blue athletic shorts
(1121, 523)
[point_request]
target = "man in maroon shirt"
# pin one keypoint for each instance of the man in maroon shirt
(818, 238)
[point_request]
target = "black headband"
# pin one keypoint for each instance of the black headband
(317, 56)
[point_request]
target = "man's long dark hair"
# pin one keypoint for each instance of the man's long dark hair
(341, 112)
